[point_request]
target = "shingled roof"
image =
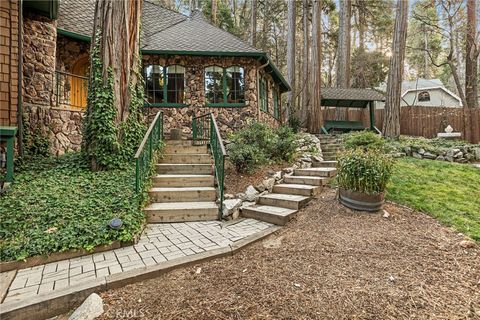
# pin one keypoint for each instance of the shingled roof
(352, 97)
(167, 32)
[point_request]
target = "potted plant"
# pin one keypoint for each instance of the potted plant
(362, 179)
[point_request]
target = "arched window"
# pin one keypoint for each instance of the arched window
(423, 96)
(225, 86)
(165, 86)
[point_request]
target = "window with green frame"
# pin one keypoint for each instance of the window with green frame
(276, 104)
(225, 87)
(263, 95)
(165, 86)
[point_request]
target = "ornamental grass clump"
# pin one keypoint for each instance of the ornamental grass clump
(364, 171)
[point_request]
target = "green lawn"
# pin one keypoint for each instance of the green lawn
(58, 204)
(448, 191)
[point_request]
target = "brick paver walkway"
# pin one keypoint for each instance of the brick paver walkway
(159, 243)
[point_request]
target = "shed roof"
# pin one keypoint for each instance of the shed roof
(351, 97)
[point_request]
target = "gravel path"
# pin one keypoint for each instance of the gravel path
(328, 263)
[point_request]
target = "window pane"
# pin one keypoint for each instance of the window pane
(154, 82)
(276, 110)
(175, 84)
(235, 85)
(214, 85)
(263, 96)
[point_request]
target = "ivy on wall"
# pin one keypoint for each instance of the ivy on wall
(106, 144)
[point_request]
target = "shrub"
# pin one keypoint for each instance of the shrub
(364, 171)
(286, 144)
(258, 144)
(245, 157)
(295, 123)
(364, 139)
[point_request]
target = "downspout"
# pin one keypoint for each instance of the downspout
(20, 80)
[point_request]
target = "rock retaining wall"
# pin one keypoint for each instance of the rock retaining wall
(461, 154)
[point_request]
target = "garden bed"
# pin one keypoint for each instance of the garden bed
(329, 262)
(59, 205)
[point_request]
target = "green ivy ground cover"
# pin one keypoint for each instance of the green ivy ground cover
(58, 204)
(448, 191)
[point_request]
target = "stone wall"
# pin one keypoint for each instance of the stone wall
(228, 118)
(8, 62)
(43, 54)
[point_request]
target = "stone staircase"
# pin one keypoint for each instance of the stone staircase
(291, 195)
(184, 188)
(331, 144)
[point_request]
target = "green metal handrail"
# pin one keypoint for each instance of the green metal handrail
(145, 153)
(205, 131)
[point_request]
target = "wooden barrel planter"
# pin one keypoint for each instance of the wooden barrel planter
(361, 201)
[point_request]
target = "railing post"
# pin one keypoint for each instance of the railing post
(137, 175)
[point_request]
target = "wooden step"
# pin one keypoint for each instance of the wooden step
(181, 211)
(308, 180)
(271, 214)
(184, 168)
(178, 142)
(183, 180)
(298, 189)
(325, 164)
(317, 172)
(186, 194)
(289, 201)
(179, 149)
(202, 158)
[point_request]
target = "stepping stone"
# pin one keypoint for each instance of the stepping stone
(297, 189)
(181, 211)
(186, 194)
(183, 180)
(308, 180)
(184, 168)
(317, 172)
(289, 201)
(271, 214)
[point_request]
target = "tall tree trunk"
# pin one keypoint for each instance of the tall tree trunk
(291, 21)
(343, 55)
(114, 83)
(117, 23)
(253, 30)
(315, 119)
(305, 64)
(214, 11)
(391, 121)
(471, 61)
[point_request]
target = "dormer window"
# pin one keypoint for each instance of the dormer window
(423, 96)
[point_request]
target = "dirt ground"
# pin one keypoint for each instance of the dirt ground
(238, 182)
(327, 263)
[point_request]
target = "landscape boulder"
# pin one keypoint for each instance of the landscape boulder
(90, 309)
(231, 208)
(251, 194)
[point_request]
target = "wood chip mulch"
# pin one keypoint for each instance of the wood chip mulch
(327, 263)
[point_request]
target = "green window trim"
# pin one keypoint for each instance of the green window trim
(165, 105)
(263, 95)
(276, 110)
(165, 90)
(225, 88)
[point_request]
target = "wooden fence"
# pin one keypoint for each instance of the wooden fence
(423, 121)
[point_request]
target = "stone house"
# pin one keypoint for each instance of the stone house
(190, 68)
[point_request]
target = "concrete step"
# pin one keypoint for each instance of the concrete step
(324, 164)
(317, 172)
(179, 149)
(275, 215)
(181, 211)
(298, 189)
(184, 168)
(308, 180)
(289, 201)
(202, 158)
(186, 194)
(183, 180)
